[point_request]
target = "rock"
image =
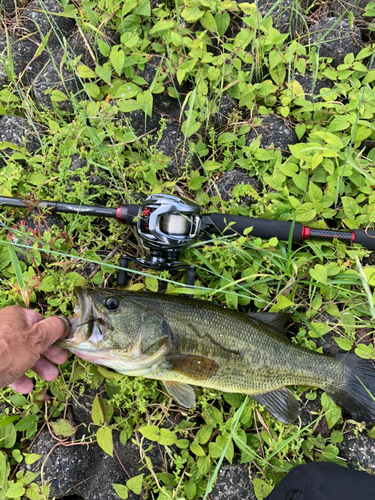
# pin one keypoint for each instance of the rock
(21, 54)
(233, 483)
(342, 8)
(229, 180)
(287, 16)
(55, 76)
(223, 107)
(176, 146)
(151, 69)
(358, 449)
(11, 6)
(39, 19)
(19, 131)
(335, 38)
(86, 470)
(311, 86)
(275, 131)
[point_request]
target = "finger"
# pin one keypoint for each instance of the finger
(32, 316)
(23, 385)
(46, 370)
(56, 355)
(46, 332)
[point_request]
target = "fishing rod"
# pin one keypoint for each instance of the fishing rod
(167, 224)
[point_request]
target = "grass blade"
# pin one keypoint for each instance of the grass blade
(18, 272)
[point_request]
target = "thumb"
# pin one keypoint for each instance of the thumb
(46, 332)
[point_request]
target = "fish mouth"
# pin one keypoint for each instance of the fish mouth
(86, 324)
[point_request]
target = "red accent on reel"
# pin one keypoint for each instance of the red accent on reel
(353, 236)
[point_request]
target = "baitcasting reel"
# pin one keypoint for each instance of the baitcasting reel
(166, 225)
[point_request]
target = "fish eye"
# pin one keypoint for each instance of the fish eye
(112, 303)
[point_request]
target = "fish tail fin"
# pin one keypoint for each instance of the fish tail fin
(355, 393)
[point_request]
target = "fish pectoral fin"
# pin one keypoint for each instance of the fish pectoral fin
(195, 367)
(280, 403)
(182, 393)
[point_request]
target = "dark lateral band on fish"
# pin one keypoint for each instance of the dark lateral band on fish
(186, 342)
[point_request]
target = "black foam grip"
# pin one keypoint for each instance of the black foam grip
(262, 228)
(365, 238)
(132, 214)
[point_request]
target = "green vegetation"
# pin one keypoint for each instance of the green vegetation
(327, 180)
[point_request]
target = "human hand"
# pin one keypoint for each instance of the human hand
(26, 339)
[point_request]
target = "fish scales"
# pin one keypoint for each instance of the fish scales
(252, 358)
(185, 342)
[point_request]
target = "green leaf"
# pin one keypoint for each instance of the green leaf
(208, 22)
(15, 490)
(226, 138)
(192, 14)
(8, 436)
(105, 441)
(261, 488)
(97, 412)
(337, 437)
(31, 458)
(36, 178)
(167, 437)
(190, 489)
(305, 212)
(204, 434)
(301, 180)
(135, 484)
(18, 272)
(63, 428)
(8, 420)
(58, 96)
(300, 130)
(197, 449)
(143, 9)
(215, 450)
(344, 344)
(319, 273)
(4, 472)
(222, 22)
(104, 72)
(18, 399)
(104, 48)
(203, 465)
(162, 25)
(85, 72)
(283, 302)
(150, 432)
(234, 399)
(117, 58)
(121, 490)
(365, 351)
(151, 283)
(332, 411)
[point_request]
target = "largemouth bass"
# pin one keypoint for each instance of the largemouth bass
(185, 342)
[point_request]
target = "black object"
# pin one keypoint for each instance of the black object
(324, 481)
(168, 224)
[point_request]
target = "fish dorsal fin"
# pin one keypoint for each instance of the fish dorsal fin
(280, 403)
(276, 320)
(182, 393)
(195, 367)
